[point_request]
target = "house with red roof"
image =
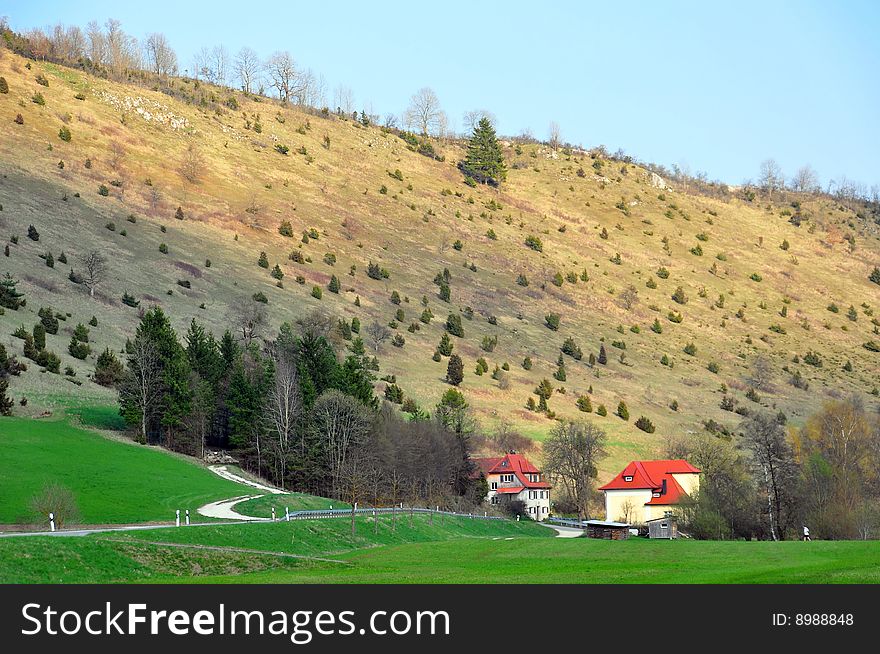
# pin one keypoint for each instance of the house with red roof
(513, 477)
(646, 490)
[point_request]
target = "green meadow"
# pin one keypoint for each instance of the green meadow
(113, 481)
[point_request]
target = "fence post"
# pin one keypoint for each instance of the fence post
(177, 517)
(52, 521)
(187, 517)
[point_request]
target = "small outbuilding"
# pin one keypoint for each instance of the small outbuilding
(665, 527)
(607, 530)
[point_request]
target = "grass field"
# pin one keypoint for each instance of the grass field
(113, 481)
(455, 551)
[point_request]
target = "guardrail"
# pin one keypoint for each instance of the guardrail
(567, 522)
(341, 513)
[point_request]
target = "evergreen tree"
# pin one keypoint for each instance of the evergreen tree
(875, 275)
(6, 403)
(455, 370)
(445, 347)
(622, 410)
(603, 357)
(108, 369)
(334, 285)
(454, 326)
(39, 336)
(10, 297)
(484, 161)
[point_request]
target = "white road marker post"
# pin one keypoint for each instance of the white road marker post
(177, 517)
(287, 513)
(187, 517)
(273, 514)
(52, 521)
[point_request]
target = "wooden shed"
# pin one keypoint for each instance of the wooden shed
(607, 530)
(665, 527)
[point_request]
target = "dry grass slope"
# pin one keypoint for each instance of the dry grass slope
(136, 142)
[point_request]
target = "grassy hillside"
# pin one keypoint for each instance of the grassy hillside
(112, 481)
(177, 554)
(131, 143)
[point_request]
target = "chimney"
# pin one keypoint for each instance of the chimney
(663, 487)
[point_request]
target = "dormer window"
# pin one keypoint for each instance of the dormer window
(627, 478)
(656, 494)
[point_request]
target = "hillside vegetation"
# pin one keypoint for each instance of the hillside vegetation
(696, 302)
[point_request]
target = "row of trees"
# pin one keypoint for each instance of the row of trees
(295, 412)
(767, 482)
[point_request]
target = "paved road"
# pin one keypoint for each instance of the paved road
(566, 532)
(225, 509)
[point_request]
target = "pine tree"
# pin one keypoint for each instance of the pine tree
(39, 336)
(603, 356)
(484, 161)
(108, 369)
(455, 370)
(875, 275)
(334, 285)
(445, 347)
(622, 410)
(584, 404)
(5, 401)
(10, 297)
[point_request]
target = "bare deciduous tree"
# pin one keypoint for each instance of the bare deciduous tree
(250, 321)
(554, 137)
(94, 270)
(424, 112)
(341, 423)
(247, 69)
(378, 334)
(343, 99)
(471, 119)
(771, 178)
(283, 409)
(572, 454)
(805, 180)
(192, 165)
(282, 74)
(160, 55)
(141, 387)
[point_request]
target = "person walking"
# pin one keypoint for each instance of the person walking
(807, 533)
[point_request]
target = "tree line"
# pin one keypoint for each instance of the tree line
(295, 411)
(768, 482)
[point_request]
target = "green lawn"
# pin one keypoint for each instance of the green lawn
(261, 507)
(139, 555)
(113, 481)
(455, 550)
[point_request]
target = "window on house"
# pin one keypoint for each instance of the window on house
(494, 485)
(628, 478)
(656, 494)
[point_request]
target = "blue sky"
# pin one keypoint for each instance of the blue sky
(716, 86)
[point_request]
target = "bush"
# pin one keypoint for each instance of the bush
(263, 260)
(38, 99)
(285, 229)
(755, 277)
(601, 410)
(4, 86)
(317, 293)
(679, 296)
(185, 283)
(875, 275)
(713, 367)
(813, 359)
(129, 300)
(454, 326)
(656, 327)
(622, 410)
(64, 134)
(527, 363)
(534, 243)
(163, 248)
(645, 425)
(57, 500)
(522, 280)
(282, 149)
(690, 349)
(32, 233)
(552, 321)
(277, 273)
(662, 273)
(77, 349)
(572, 349)
(584, 404)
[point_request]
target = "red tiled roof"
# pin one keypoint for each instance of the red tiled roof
(651, 475)
(515, 464)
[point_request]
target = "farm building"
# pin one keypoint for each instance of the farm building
(645, 490)
(665, 527)
(607, 530)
